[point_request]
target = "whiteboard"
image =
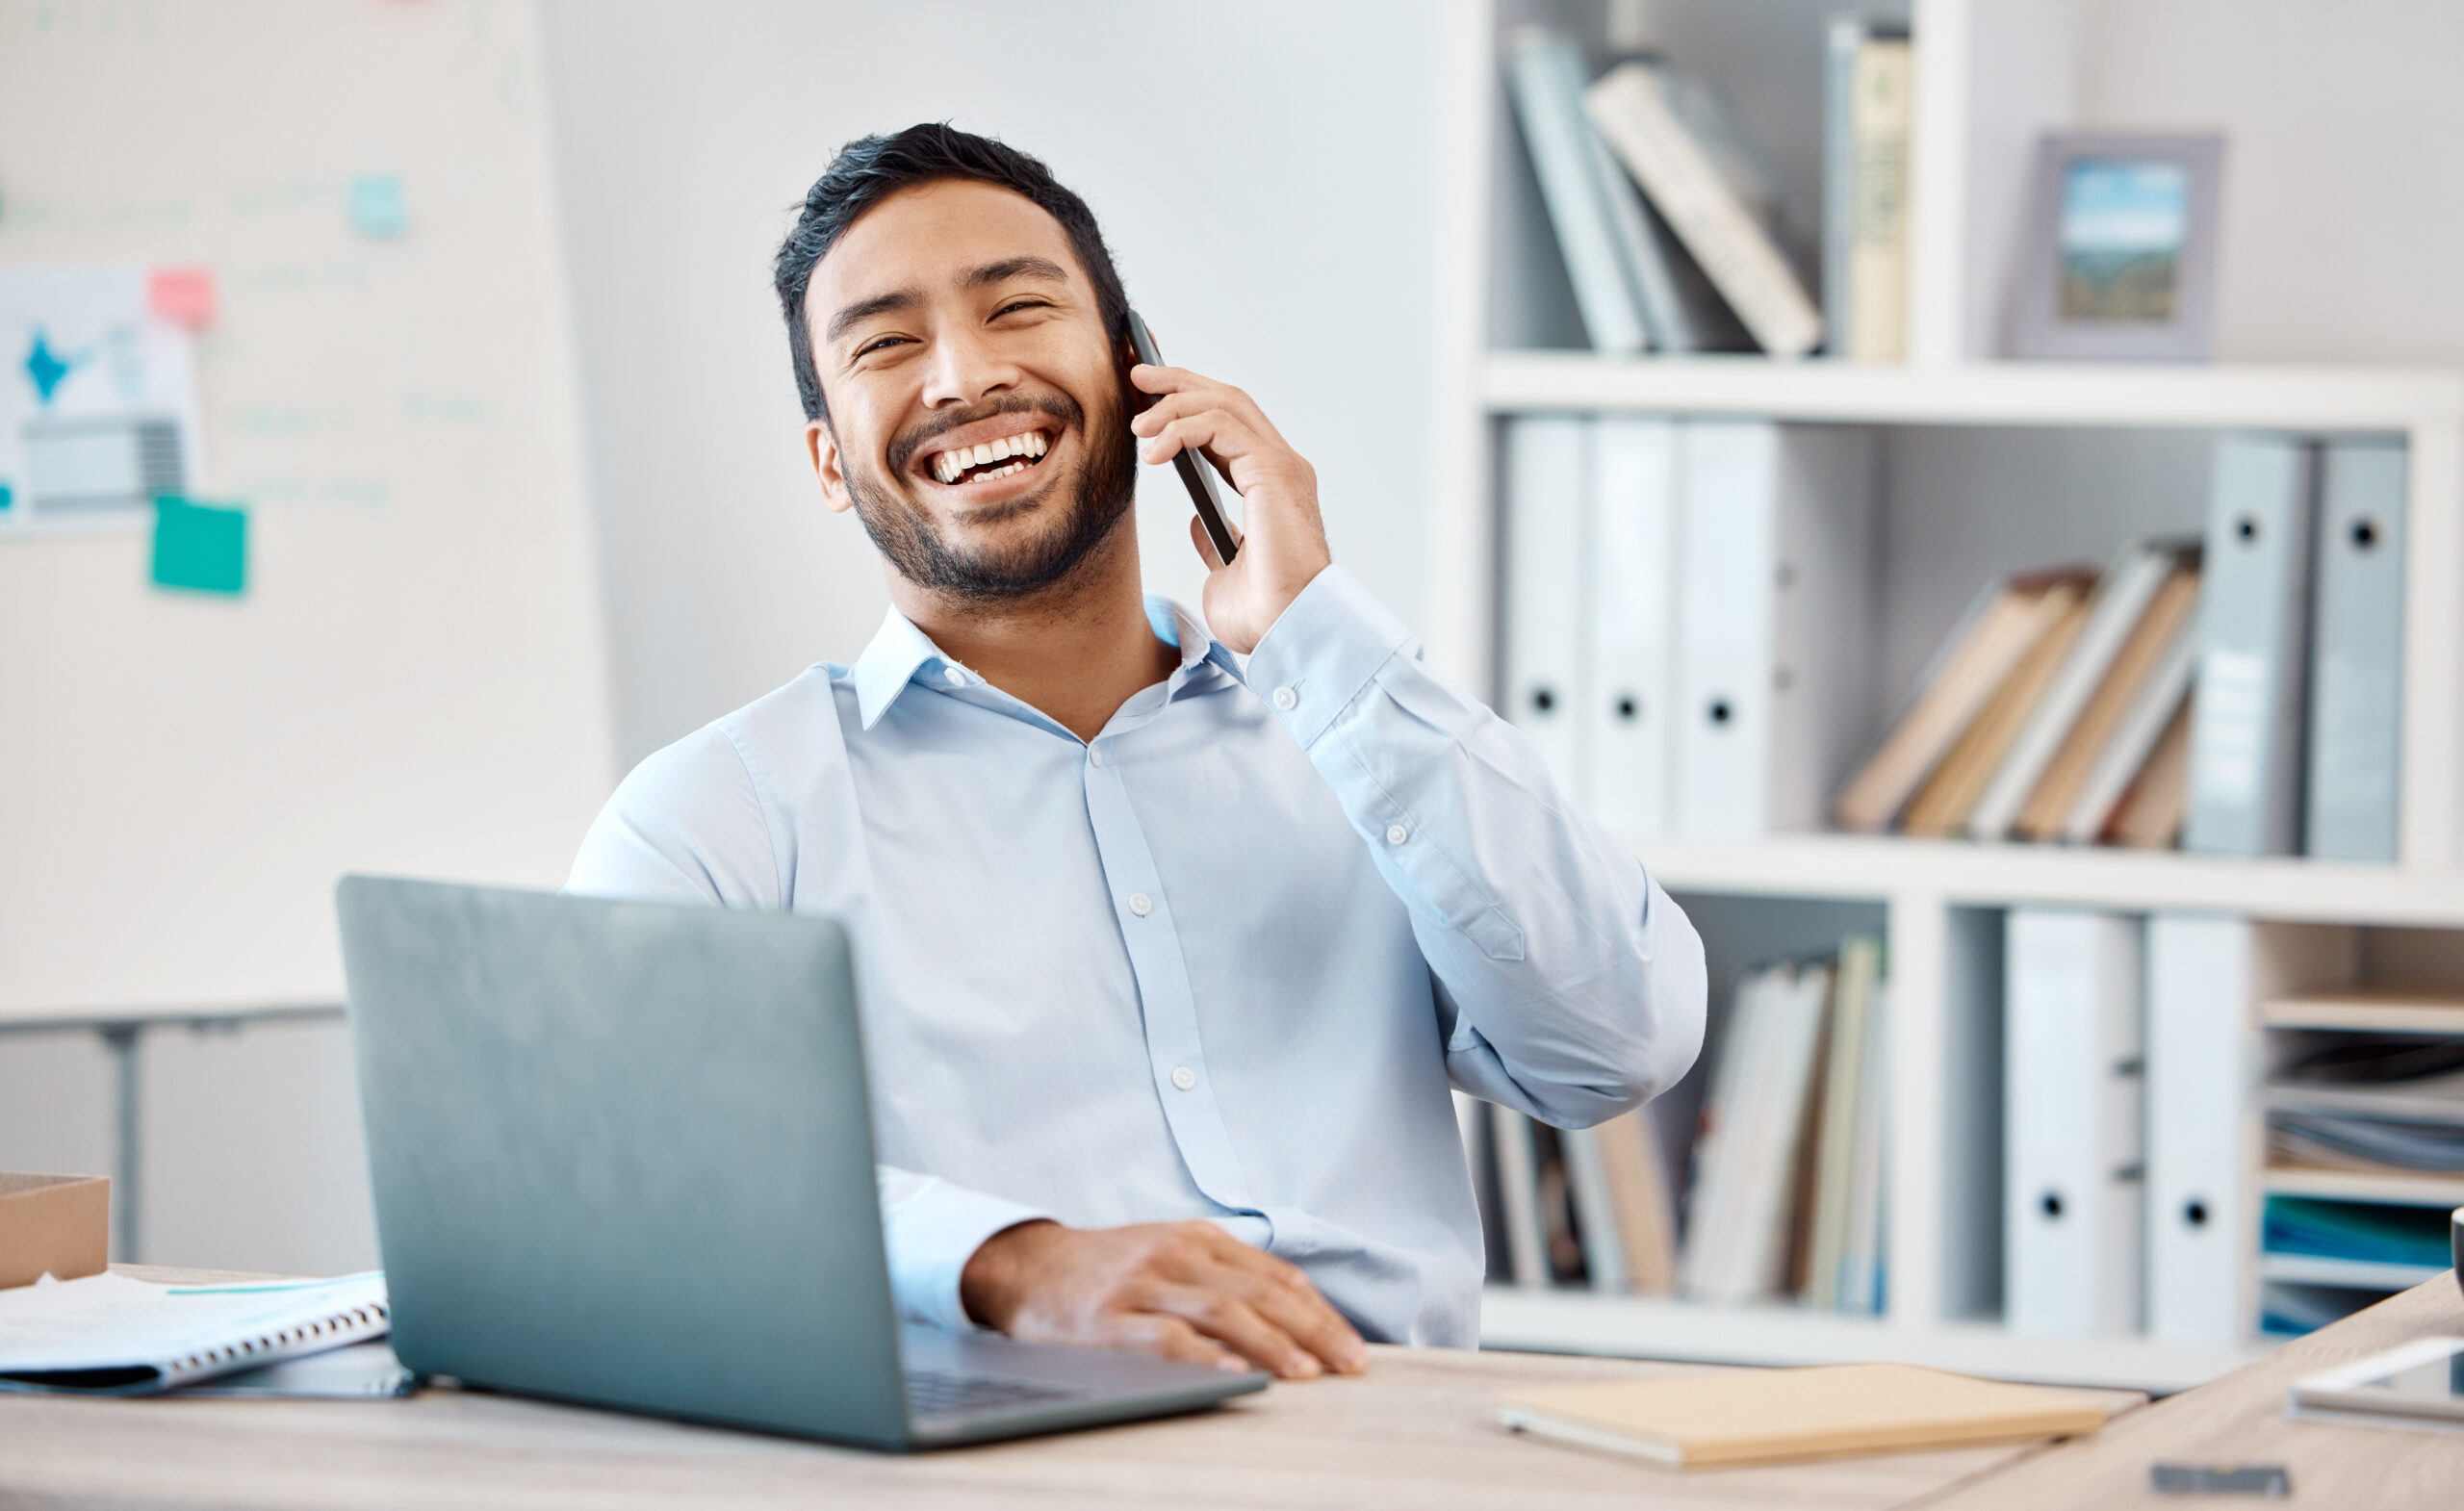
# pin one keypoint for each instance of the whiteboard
(414, 679)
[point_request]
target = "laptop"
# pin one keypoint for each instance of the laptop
(623, 1154)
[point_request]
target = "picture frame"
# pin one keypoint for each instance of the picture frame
(2119, 258)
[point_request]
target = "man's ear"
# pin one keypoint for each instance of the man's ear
(823, 447)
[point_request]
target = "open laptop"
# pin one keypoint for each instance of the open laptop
(623, 1154)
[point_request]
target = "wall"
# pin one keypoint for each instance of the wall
(2344, 175)
(1266, 174)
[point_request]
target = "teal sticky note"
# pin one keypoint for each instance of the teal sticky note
(7, 497)
(200, 545)
(377, 207)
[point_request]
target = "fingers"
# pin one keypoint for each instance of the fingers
(1169, 1337)
(1184, 392)
(1205, 544)
(1218, 1313)
(1283, 1298)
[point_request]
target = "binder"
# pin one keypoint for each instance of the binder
(2073, 1177)
(2203, 1080)
(1546, 75)
(2247, 716)
(1625, 726)
(1774, 601)
(2358, 666)
(1547, 466)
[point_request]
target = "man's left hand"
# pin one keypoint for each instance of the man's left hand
(1284, 543)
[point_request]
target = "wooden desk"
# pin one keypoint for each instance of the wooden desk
(1419, 1430)
(2240, 1420)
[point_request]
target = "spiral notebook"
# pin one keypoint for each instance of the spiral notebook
(110, 1335)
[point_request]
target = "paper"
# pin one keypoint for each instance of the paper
(377, 205)
(98, 399)
(175, 1333)
(200, 545)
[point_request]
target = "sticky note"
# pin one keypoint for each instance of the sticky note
(182, 296)
(377, 207)
(7, 497)
(200, 545)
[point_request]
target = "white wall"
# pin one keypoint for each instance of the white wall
(1266, 175)
(2343, 174)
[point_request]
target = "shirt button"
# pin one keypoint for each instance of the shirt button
(1094, 756)
(954, 676)
(1184, 1077)
(1141, 904)
(1286, 699)
(1397, 833)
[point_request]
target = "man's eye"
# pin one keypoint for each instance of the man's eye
(1022, 304)
(877, 344)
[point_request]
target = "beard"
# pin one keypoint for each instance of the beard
(907, 534)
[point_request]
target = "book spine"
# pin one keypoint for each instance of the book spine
(1632, 114)
(1841, 39)
(1877, 238)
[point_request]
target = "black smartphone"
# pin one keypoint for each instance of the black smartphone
(1197, 475)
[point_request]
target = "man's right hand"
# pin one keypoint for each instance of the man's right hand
(1186, 1290)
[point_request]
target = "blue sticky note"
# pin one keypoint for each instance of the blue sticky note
(7, 497)
(200, 545)
(377, 207)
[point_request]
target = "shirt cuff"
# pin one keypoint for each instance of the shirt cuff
(1328, 643)
(931, 1229)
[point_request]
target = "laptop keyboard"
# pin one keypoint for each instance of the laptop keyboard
(937, 1392)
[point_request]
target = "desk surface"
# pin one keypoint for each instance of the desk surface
(2240, 1420)
(1419, 1430)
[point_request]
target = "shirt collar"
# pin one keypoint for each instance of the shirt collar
(898, 653)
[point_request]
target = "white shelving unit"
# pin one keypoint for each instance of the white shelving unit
(1991, 75)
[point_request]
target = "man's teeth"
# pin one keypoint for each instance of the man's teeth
(949, 465)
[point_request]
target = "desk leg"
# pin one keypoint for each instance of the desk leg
(122, 1039)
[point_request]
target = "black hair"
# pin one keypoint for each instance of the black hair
(869, 169)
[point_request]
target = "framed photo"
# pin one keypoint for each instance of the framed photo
(2119, 261)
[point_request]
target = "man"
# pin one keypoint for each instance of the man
(1167, 963)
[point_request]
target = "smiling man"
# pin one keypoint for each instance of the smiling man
(1169, 957)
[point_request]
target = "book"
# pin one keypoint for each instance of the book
(1544, 76)
(2134, 741)
(1863, 1274)
(1638, 1201)
(1714, 1186)
(2114, 611)
(1592, 1209)
(1632, 110)
(1779, 1415)
(2157, 803)
(1844, 1108)
(2166, 621)
(1942, 804)
(111, 1335)
(1518, 1197)
(1867, 88)
(1739, 1246)
(2005, 620)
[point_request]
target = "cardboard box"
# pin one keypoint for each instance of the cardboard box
(60, 1224)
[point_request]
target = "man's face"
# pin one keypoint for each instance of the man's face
(976, 412)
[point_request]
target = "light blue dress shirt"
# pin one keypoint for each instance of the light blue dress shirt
(1223, 962)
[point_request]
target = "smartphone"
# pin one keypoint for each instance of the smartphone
(1197, 475)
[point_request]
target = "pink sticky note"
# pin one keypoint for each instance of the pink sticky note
(182, 296)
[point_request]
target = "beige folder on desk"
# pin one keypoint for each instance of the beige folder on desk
(1773, 1416)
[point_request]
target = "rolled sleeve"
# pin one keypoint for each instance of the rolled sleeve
(931, 1229)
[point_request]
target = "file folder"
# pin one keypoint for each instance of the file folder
(2202, 1137)
(2246, 714)
(1625, 725)
(1776, 567)
(2358, 666)
(1548, 467)
(2073, 1174)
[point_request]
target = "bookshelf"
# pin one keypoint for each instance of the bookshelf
(1991, 74)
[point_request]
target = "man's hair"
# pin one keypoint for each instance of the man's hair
(869, 169)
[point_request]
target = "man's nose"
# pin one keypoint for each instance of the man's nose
(966, 367)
